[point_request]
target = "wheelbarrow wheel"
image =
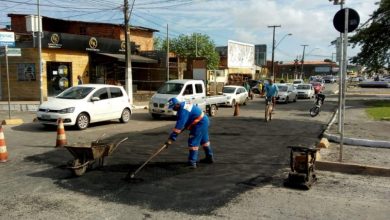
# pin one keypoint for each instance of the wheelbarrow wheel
(78, 168)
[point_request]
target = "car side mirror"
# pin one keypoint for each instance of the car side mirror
(94, 99)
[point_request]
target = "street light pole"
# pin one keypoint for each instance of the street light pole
(40, 55)
(128, 71)
(303, 58)
(273, 49)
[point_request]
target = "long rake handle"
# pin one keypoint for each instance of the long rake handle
(147, 161)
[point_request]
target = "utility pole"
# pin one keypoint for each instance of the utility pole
(273, 49)
(303, 58)
(128, 70)
(40, 55)
(167, 54)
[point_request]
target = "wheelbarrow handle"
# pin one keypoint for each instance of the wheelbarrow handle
(147, 161)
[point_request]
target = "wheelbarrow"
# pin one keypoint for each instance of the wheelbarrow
(86, 155)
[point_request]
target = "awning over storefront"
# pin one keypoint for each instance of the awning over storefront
(134, 58)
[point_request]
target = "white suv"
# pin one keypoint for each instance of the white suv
(85, 104)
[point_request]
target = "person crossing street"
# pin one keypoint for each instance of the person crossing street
(191, 117)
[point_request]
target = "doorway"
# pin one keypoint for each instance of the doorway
(59, 75)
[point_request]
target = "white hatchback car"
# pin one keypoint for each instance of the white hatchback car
(84, 104)
(235, 94)
(287, 93)
(305, 91)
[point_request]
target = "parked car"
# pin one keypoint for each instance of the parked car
(305, 91)
(329, 79)
(255, 87)
(317, 87)
(84, 104)
(235, 94)
(287, 93)
(297, 81)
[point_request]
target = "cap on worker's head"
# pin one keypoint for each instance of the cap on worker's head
(172, 102)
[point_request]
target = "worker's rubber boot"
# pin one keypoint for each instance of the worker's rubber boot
(209, 155)
(192, 158)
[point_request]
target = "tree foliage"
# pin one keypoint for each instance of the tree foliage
(373, 37)
(191, 46)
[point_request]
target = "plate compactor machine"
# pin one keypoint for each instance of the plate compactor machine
(302, 164)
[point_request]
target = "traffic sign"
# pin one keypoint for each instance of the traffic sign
(11, 52)
(339, 20)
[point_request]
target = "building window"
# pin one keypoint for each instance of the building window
(26, 72)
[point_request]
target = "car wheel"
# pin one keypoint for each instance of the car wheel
(295, 99)
(82, 121)
(125, 117)
(245, 102)
(156, 116)
(287, 99)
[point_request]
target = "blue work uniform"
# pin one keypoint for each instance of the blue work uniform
(191, 117)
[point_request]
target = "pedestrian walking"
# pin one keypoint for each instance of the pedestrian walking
(192, 118)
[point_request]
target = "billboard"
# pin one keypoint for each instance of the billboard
(240, 55)
(261, 54)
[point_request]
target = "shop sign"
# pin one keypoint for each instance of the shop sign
(54, 41)
(7, 39)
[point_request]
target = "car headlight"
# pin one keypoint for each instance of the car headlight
(228, 98)
(66, 110)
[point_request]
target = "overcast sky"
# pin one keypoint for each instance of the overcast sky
(309, 21)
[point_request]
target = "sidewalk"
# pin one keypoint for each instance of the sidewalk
(361, 131)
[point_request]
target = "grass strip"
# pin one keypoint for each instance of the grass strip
(378, 110)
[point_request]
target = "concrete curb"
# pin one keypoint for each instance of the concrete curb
(353, 141)
(357, 141)
(352, 168)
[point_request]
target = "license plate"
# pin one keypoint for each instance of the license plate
(45, 117)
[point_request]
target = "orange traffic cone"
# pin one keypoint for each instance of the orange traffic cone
(61, 137)
(236, 110)
(3, 148)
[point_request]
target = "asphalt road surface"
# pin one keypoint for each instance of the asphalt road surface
(246, 182)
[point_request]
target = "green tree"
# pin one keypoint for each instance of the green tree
(194, 45)
(373, 37)
(159, 43)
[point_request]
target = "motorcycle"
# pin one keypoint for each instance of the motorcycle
(314, 111)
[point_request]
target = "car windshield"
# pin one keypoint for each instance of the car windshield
(303, 87)
(282, 88)
(228, 90)
(75, 93)
(297, 82)
(170, 88)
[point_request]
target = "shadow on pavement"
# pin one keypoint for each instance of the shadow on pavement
(249, 153)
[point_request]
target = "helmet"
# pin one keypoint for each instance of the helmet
(172, 102)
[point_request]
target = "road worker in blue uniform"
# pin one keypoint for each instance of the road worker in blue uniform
(191, 117)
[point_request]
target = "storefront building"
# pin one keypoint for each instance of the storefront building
(94, 51)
